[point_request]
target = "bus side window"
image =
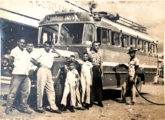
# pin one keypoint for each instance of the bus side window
(146, 46)
(99, 34)
(140, 44)
(155, 49)
(115, 38)
(105, 36)
(150, 48)
(124, 41)
(133, 42)
(143, 45)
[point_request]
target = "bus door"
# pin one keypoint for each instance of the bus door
(104, 37)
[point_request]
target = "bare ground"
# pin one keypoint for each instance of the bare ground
(112, 110)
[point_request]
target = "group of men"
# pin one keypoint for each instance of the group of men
(90, 78)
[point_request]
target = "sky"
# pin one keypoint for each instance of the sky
(149, 13)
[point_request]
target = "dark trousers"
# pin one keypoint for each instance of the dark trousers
(96, 90)
(22, 83)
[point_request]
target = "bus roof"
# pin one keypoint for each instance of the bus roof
(130, 31)
(77, 17)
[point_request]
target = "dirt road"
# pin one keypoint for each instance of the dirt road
(112, 110)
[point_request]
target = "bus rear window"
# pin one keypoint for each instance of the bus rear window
(71, 34)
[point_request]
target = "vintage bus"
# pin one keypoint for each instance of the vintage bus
(73, 33)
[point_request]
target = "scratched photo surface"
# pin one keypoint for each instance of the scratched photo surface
(70, 27)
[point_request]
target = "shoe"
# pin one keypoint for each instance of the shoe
(81, 108)
(9, 110)
(24, 109)
(63, 108)
(87, 106)
(83, 104)
(72, 109)
(90, 105)
(40, 110)
(100, 104)
(55, 111)
(132, 103)
(123, 101)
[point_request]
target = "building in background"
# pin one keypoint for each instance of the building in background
(20, 19)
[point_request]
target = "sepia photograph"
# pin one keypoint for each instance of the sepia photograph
(82, 60)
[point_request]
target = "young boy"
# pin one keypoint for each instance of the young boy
(71, 84)
(86, 80)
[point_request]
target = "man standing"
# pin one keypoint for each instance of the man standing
(30, 54)
(30, 67)
(19, 79)
(44, 78)
(128, 87)
(97, 73)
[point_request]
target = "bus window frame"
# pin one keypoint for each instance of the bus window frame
(109, 39)
(113, 42)
(126, 41)
(133, 41)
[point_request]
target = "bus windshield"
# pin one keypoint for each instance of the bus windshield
(71, 34)
(48, 33)
(68, 34)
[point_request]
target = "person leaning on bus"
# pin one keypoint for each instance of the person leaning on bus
(128, 87)
(96, 60)
(44, 78)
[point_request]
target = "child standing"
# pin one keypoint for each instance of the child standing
(71, 84)
(86, 80)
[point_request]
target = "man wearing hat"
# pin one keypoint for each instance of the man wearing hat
(128, 87)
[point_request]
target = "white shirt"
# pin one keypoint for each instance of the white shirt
(86, 67)
(20, 61)
(71, 77)
(134, 62)
(46, 58)
(30, 65)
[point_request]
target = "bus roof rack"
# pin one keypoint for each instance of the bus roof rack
(123, 21)
(132, 24)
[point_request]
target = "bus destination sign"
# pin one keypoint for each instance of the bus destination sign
(62, 17)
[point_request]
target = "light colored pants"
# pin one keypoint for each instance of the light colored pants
(74, 93)
(45, 81)
(129, 85)
(86, 80)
